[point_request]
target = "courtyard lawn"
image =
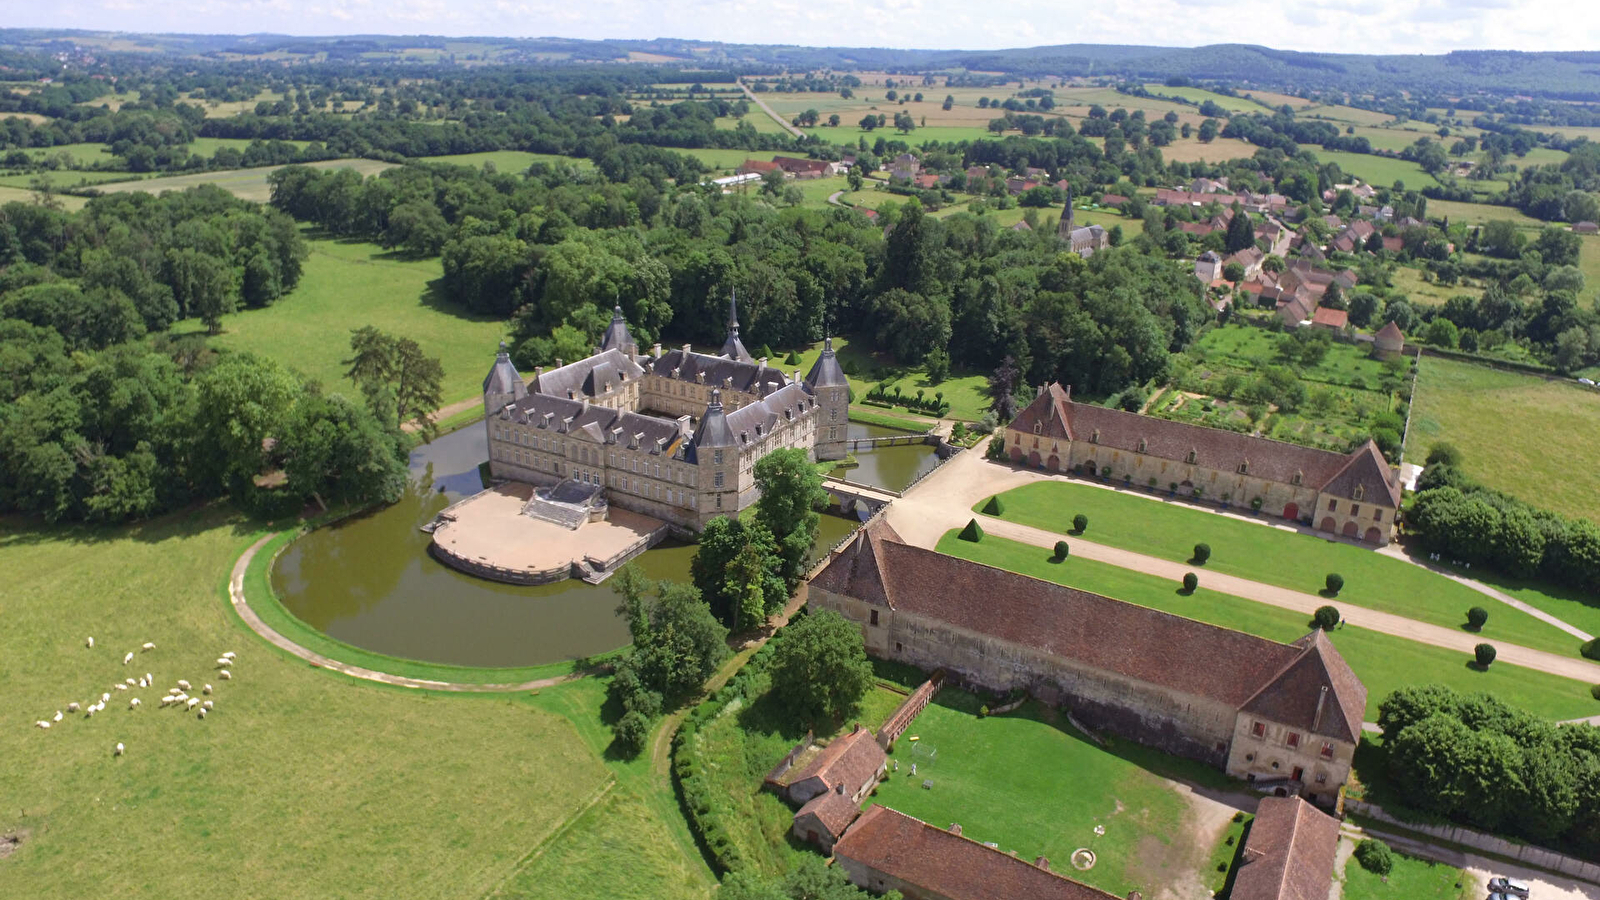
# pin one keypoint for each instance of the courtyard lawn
(301, 783)
(347, 285)
(246, 184)
(1384, 662)
(509, 161)
(1556, 423)
(1170, 530)
(1035, 785)
(1411, 879)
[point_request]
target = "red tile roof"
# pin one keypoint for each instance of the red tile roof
(1289, 854)
(851, 760)
(834, 811)
(757, 165)
(1390, 337)
(1329, 317)
(950, 865)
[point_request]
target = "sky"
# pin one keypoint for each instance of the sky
(1349, 26)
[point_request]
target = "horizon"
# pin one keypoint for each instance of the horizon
(1367, 27)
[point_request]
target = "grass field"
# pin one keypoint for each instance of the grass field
(347, 285)
(65, 178)
(1378, 170)
(301, 783)
(1556, 424)
(208, 146)
(1409, 281)
(82, 155)
(1384, 662)
(23, 195)
(1220, 149)
(509, 161)
(1411, 879)
(246, 184)
(864, 369)
(1170, 530)
(1479, 213)
(1035, 785)
(725, 161)
(1201, 95)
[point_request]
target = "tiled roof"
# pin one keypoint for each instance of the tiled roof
(1390, 337)
(852, 760)
(949, 865)
(854, 572)
(1367, 470)
(1330, 317)
(1214, 448)
(756, 165)
(747, 377)
(572, 379)
(834, 811)
(596, 422)
(795, 164)
(1289, 854)
(1294, 698)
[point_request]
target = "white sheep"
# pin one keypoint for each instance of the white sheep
(42, 723)
(120, 686)
(206, 689)
(206, 704)
(73, 707)
(89, 713)
(151, 679)
(91, 643)
(223, 662)
(100, 707)
(179, 698)
(202, 713)
(143, 683)
(128, 658)
(130, 682)
(226, 675)
(134, 703)
(118, 751)
(166, 700)
(183, 684)
(104, 697)
(174, 691)
(58, 717)
(229, 655)
(148, 646)
(192, 703)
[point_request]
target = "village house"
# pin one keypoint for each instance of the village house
(1113, 201)
(1355, 495)
(758, 167)
(1330, 319)
(829, 785)
(887, 850)
(1208, 267)
(1290, 853)
(1249, 259)
(905, 167)
(803, 169)
(1586, 228)
(1284, 717)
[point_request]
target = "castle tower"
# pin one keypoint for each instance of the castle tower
(501, 387)
(832, 390)
(715, 452)
(733, 348)
(617, 336)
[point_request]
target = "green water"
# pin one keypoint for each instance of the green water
(370, 581)
(887, 467)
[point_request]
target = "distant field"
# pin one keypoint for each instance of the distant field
(114, 101)
(1478, 213)
(513, 161)
(22, 195)
(346, 286)
(1192, 150)
(1378, 170)
(246, 184)
(1348, 114)
(35, 118)
(725, 161)
(760, 121)
(1427, 293)
(82, 154)
(1275, 100)
(64, 178)
(1201, 95)
(1551, 462)
(208, 147)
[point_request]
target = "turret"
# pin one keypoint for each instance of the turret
(503, 384)
(715, 452)
(733, 348)
(827, 382)
(617, 336)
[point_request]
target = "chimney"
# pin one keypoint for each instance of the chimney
(1322, 701)
(955, 828)
(1135, 895)
(761, 364)
(685, 427)
(558, 362)
(655, 351)
(1039, 392)
(1042, 863)
(538, 372)
(685, 349)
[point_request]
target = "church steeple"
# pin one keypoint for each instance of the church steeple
(733, 348)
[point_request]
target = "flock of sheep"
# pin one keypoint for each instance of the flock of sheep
(177, 696)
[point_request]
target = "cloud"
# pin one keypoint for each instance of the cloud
(1361, 26)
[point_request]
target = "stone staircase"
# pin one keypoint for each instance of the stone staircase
(569, 517)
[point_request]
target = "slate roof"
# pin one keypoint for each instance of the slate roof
(502, 377)
(949, 865)
(1289, 854)
(753, 421)
(713, 430)
(826, 371)
(720, 371)
(1214, 448)
(616, 336)
(576, 379)
(597, 423)
(733, 348)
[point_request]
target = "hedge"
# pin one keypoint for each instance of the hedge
(973, 532)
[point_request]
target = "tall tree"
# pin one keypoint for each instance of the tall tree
(384, 363)
(791, 494)
(820, 670)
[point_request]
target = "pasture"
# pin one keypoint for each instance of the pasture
(301, 783)
(23, 195)
(1384, 662)
(508, 161)
(246, 184)
(1271, 555)
(1479, 213)
(1556, 424)
(1378, 170)
(347, 285)
(80, 156)
(1201, 95)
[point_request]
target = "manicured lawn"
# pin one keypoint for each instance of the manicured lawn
(301, 783)
(1384, 662)
(347, 285)
(963, 390)
(246, 184)
(1031, 784)
(1411, 879)
(512, 161)
(1551, 463)
(1170, 530)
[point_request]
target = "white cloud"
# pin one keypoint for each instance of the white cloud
(1361, 26)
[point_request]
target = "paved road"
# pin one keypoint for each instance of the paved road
(768, 110)
(944, 501)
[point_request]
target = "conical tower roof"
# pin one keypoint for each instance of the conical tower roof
(733, 348)
(826, 371)
(503, 377)
(617, 336)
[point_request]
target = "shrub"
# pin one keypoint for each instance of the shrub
(1061, 551)
(1202, 552)
(1190, 582)
(1591, 649)
(631, 731)
(1476, 616)
(1375, 856)
(1484, 653)
(983, 711)
(972, 532)
(1334, 583)
(1256, 503)
(994, 507)
(1327, 617)
(1080, 523)
(793, 359)
(1444, 454)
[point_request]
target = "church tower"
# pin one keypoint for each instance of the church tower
(1065, 230)
(832, 390)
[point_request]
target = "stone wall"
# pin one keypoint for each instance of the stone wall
(1529, 854)
(1272, 748)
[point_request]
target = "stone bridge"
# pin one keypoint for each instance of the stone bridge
(853, 497)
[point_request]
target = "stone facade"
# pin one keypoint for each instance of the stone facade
(1255, 708)
(1355, 495)
(674, 435)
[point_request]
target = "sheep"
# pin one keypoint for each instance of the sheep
(118, 751)
(223, 662)
(130, 682)
(73, 706)
(148, 647)
(120, 686)
(143, 683)
(90, 642)
(128, 658)
(183, 684)
(150, 678)
(174, 691)
(180, 698)
(104, 697)
(42, 723)
(226, 675)
(166, 700)
(206, 689)
(134, 703)
(202, 713)
(192, 703)
(58, 717)
(206, 704)
(89, 713)
(229, 655)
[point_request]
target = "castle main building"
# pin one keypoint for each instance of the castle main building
(673, 435)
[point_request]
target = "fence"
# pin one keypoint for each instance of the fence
(1530, 854)
(902, 718)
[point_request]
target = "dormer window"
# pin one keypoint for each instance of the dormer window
(1037, 428)
(1095, 438)
(1244, 468)
(1359, 491)
(1141, 445)
(1296, 479)
(1191, 457)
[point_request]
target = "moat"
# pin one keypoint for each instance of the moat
(370, 581)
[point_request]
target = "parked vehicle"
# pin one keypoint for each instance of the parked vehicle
(1509, 888)
(1586, 381)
